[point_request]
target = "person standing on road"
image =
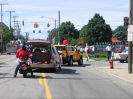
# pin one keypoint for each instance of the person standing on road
(87, 51)
(109, 50)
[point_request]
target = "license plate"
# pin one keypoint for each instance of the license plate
(24, 68)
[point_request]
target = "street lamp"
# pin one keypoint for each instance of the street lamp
(52, 19)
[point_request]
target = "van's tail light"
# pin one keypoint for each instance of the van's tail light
(46, 62)
(52, 57)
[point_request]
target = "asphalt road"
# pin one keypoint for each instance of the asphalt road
(71, 82)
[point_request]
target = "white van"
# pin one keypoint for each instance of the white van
(11, 48)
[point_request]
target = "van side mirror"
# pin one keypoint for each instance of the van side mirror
(59, 52)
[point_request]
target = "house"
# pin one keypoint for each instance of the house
(118, 43)
(2, 24)
(115, 40)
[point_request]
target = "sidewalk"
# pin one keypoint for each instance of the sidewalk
(120, 72)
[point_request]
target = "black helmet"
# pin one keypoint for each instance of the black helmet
(23, 47)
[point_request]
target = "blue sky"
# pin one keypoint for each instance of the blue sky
(79, 12)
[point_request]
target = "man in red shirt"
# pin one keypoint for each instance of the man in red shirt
(120, 49)
(22, 52)
(65, 41)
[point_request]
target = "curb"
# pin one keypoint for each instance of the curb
(113, 75)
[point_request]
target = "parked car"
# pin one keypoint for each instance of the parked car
(123, 56)
(44, 55)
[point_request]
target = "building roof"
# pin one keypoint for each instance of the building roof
(2, 24)
(115, 40)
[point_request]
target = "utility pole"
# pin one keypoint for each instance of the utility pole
(10, 17)
(27, 36)
(17, 29)
(1, 28)
(1, 10)
(130, 42)
(14, 20)
(59, 29)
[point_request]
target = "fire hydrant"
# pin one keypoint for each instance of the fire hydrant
(111, 63)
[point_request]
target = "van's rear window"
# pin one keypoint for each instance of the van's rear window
(60, 47)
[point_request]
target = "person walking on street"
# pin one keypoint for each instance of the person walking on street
(109, 50)
(113, 50)
(88, 53)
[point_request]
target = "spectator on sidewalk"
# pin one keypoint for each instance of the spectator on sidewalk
(113, 50)
(109, 50)
(120, 49)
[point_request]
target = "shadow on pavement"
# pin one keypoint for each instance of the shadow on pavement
(4, 74)
(76, 65)
(61, 71)
(66, 71)
(41, 70)
(4, 66)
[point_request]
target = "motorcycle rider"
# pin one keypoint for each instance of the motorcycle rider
(22, 52)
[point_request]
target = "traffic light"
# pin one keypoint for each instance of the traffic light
(23, 22)
(126, 22)
(48, 25)
(35, 25)
(39, 31)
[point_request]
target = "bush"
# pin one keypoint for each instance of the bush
(100, 55)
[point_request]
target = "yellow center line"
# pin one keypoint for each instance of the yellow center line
(40, 80)
(43, 80)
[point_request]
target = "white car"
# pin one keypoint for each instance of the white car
(44, 55)
(122, 57)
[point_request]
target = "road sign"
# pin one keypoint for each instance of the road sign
(130, 33)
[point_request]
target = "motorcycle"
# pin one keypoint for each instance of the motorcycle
(24, 68)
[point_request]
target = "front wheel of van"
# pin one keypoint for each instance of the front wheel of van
(80, 62)
(70, 62)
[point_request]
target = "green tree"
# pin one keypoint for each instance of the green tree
(51, 34)
(120, 33)
(7, 34)
(67, 30)
(96, 30)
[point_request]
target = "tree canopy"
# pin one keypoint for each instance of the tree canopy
(67, 30)
(120, 33)
(7, 34)
(96, 30)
